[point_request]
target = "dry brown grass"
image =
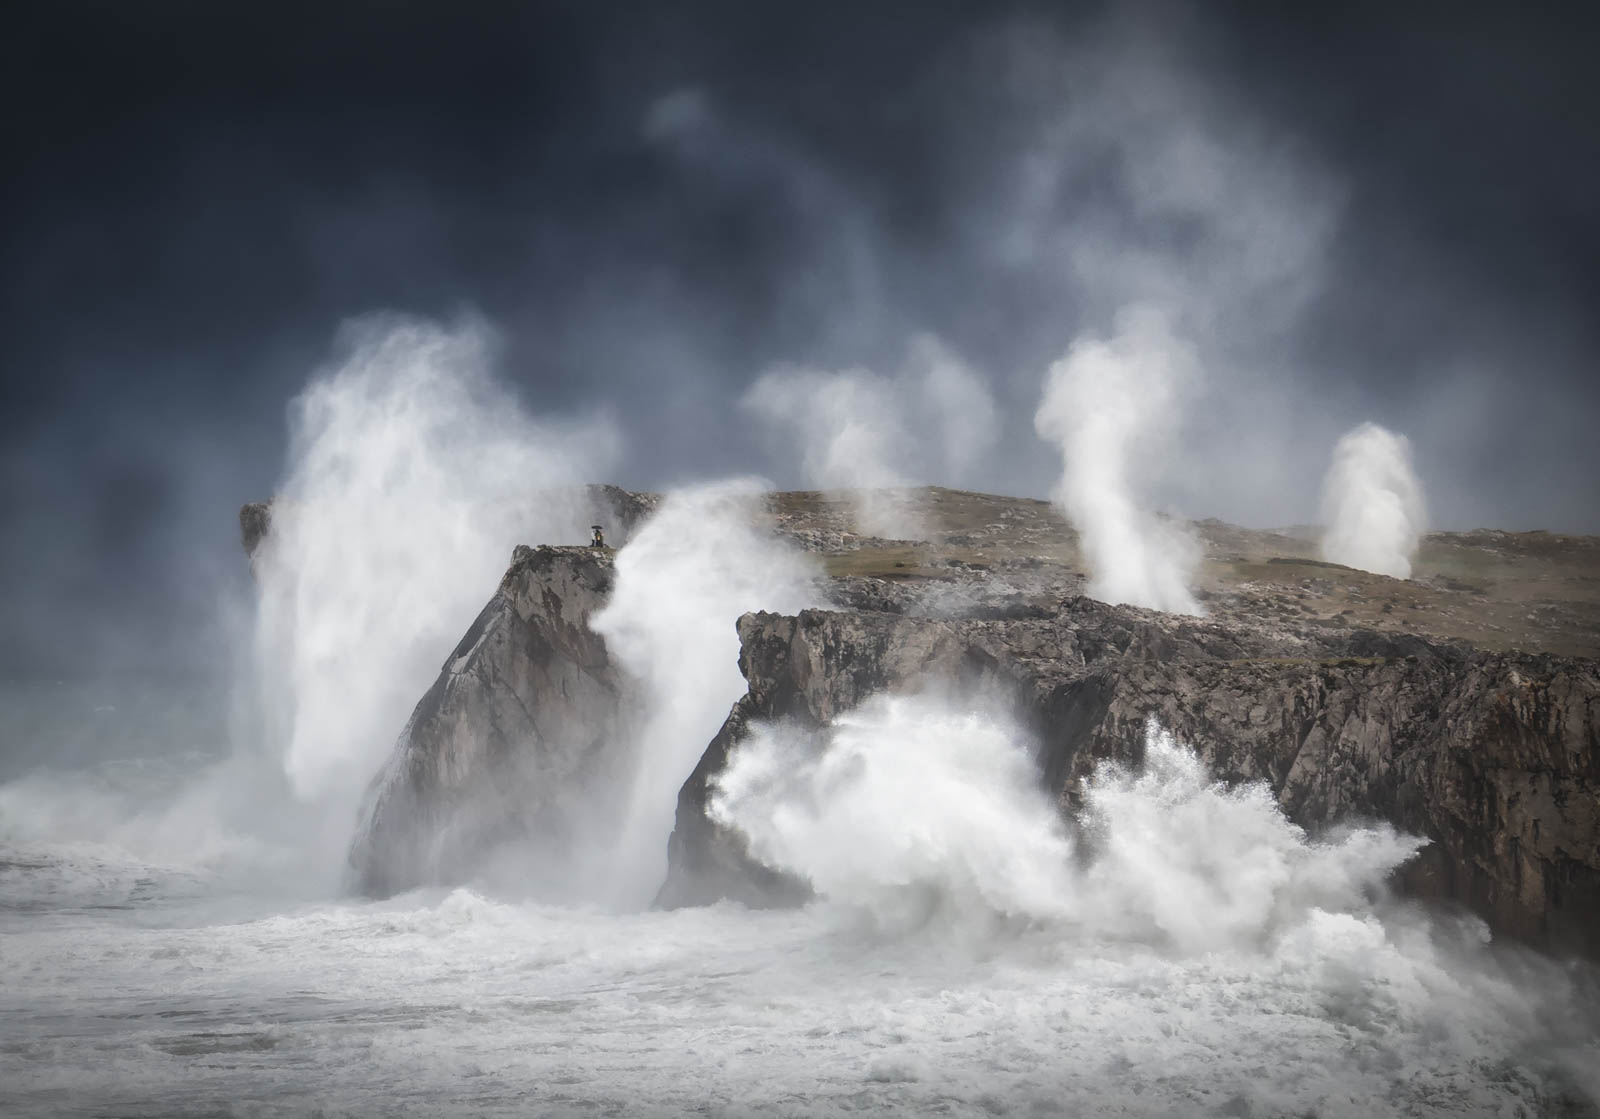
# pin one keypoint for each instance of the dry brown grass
(1527, 591)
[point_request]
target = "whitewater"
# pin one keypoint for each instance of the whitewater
(177, 938)
(1204, 958)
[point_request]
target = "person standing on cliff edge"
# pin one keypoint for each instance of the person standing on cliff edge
(599, 540)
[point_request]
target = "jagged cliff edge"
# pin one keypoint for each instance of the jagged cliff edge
(1493, 756)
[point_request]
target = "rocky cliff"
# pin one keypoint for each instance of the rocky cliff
(504, 744)
(1462, 705)
(1493, 756)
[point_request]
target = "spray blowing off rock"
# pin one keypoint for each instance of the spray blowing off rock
(1489, 756)
(1440, 705)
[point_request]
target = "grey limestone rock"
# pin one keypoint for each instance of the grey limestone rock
(1494, 757)
(502, 745)
(1436, 704)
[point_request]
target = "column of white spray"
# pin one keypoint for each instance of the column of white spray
(682, 582)
(1106, 403)
(411, 475)
(1372, 503)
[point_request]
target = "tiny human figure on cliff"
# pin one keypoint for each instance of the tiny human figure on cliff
(599, 540)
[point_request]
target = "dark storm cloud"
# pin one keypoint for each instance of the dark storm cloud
(653, 204)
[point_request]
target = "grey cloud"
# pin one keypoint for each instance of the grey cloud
(655, 208)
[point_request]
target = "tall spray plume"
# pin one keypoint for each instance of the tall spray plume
(1372, 503)
(682, 583)
(934, 420)
(1108, 405)
(1130, 176)
(411, 475)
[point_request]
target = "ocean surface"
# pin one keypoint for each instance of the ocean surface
(1209, 960)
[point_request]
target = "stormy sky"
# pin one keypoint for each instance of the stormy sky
(1382, 212)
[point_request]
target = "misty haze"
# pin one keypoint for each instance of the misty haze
(757, 559)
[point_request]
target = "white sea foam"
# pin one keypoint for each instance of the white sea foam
(1190, 953)
(906, 806)
(456, 1004)
(907, 810)
(1185, 862)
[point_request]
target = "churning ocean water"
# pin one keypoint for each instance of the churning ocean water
(1205, 959)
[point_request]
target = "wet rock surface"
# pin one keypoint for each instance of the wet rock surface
(1495, 757)
(500, 749)
(1462, 705)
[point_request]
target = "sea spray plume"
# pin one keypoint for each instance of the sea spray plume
(1133, 174)
(411, 475)
(953, 407)
(1106, 405)
(851, 435)
(905, 809)
(874, 435)
(682, 583)
(1372, 503)
(1182, 860)
(908, 809)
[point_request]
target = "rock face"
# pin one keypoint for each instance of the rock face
(1494, 757)
(522, 718)
(504, 743)
(1435, 703)
(618, 511)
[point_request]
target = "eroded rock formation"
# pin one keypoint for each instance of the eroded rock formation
(505, 743)
(1495, 757)
(1435, 703)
